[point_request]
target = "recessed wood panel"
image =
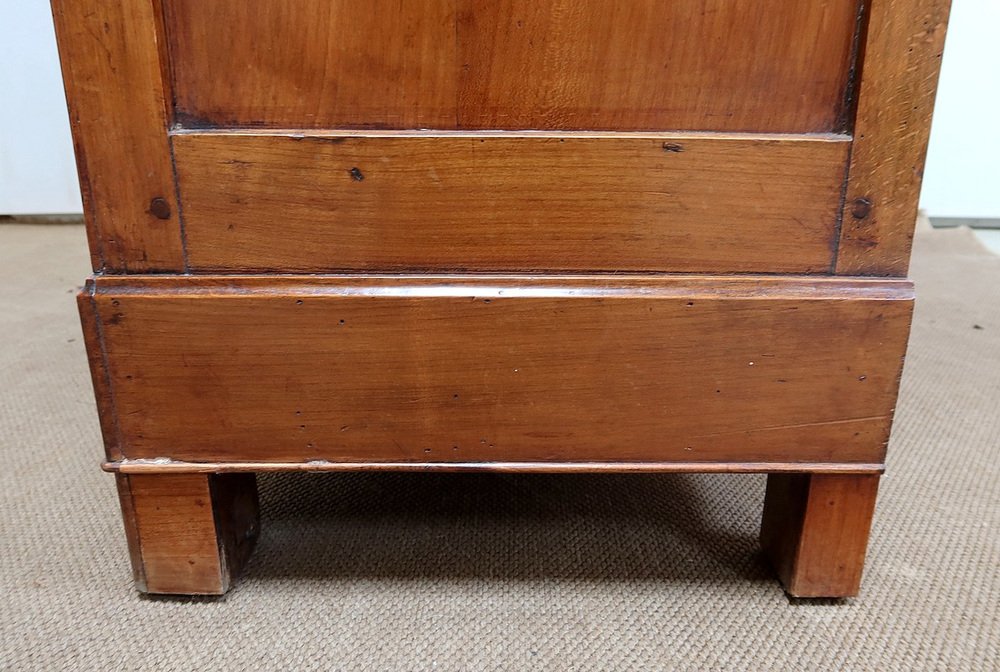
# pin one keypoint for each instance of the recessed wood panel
(621, 202)
(755, 65)
(314, 63)
(750, 65)
(504, 369)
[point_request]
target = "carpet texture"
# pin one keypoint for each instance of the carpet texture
(513, 572)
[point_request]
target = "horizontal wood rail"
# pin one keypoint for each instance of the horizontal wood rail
(430, 201)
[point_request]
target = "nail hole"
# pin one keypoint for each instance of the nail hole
(159, 208)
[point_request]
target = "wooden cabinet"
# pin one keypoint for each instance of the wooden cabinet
(543, 235)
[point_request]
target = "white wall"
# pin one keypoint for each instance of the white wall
(962, 177)
(37, 172)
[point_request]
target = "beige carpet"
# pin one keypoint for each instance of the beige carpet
(482, 572)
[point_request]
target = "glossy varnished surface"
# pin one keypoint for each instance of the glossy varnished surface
(558, 202)
(758, 65)
(505, 369)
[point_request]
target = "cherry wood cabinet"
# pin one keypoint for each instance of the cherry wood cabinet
(544, 235)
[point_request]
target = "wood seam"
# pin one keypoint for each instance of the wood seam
(306, 133)
(113, 444)
(168, 466)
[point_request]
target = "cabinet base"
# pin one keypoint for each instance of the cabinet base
(191, 533)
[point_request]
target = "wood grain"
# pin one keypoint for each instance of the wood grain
(117, 103)
(487, 202)
(188, 533)
(902, 59)
(123, 483)
(761, 65)
(815, 530)
(314, 63)
(586, 369)
(591, 155)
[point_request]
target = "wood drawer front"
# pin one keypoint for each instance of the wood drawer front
(557, 202)
(490, 369)
(722, 65)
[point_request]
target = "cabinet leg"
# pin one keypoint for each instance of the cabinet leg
(188, 534)
(815, 531)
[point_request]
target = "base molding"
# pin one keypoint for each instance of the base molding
(498, 370)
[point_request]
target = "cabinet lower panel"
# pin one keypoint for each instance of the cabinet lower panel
(512, 203)
(498, 369)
